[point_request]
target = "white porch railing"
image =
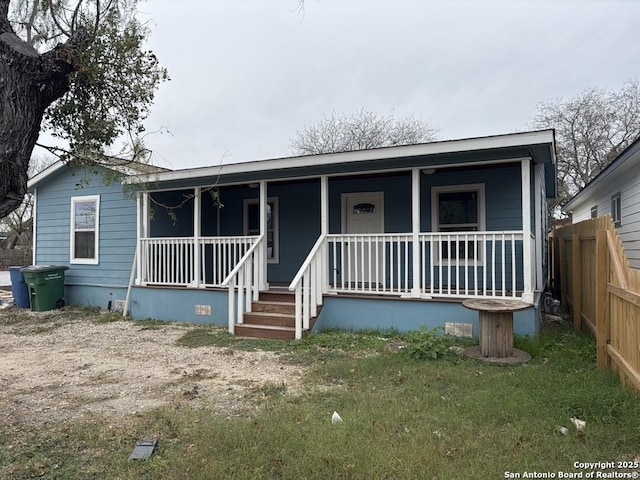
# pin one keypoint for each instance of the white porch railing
(371, 263)
(473, 264)
(454, 265)
(173, 261)
(167, 261)
(309, 284)
(246, 278)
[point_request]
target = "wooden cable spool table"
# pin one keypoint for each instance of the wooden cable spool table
(496, 330)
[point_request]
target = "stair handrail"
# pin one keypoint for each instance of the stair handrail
(308, 285)
(247, 276)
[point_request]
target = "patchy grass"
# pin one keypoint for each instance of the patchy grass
(151, 324)
(108, 317)
(403, 417)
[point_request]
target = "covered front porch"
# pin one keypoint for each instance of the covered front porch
(412, 233)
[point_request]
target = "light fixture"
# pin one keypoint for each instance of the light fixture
(428, 171)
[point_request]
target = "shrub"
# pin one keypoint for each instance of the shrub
(426, 344)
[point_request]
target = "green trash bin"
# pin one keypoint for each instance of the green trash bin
(46, 286)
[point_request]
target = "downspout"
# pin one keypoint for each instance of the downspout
(34, 222)
(136, 265)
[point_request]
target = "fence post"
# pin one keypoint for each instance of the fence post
(576, 275)
(562, 253)
(603, 322)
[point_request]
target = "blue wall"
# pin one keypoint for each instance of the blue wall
(345, 313)
(407, 315)
(175, 221)
(179, 305)
(299, 208)
(117, 240)
(298, 221)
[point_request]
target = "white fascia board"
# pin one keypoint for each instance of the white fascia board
(433, 148)
(41, 176)
(125, 169)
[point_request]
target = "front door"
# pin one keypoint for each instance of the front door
(364, 213)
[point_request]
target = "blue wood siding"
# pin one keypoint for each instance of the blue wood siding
(502, 189)
(397, 199)
(173, 222)
(299, 209)
(299, 222)
(117, 240)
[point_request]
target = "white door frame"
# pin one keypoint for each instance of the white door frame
(343, 199)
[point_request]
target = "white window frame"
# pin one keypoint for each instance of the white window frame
(616, 209)
(481, 224)
(276, 229)
(85, 261)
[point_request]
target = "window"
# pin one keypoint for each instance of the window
(594, 212)
(361, 208)
(252, 225)
(85, 231)
(616, 209)
(458, 209)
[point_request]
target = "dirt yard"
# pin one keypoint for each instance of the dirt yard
(65, 366)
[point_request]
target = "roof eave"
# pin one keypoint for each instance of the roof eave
(441, 147)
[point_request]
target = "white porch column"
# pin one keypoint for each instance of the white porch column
(415, 230)
(197, 232)
(324, 204)
(263, 231)
(527, 257)
(324, 230)
(142, 213)
(541, 213)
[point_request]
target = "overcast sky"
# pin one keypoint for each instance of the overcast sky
(247, 74)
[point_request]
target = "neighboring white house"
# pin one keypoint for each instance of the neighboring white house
(615, 191)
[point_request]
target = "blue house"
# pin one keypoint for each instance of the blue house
(393, 237)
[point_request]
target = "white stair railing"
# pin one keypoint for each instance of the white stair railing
(245, 278)
(309, 285)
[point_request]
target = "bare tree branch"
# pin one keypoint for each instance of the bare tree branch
(359, 130)
(592, 128)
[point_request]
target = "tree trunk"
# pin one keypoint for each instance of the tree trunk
(29, 83)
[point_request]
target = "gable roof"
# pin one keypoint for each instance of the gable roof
(537, 145)
(619, 164)
(124, 167)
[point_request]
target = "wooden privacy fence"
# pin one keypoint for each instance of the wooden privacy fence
(590, 273)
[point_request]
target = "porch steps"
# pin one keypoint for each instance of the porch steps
(272, 316)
